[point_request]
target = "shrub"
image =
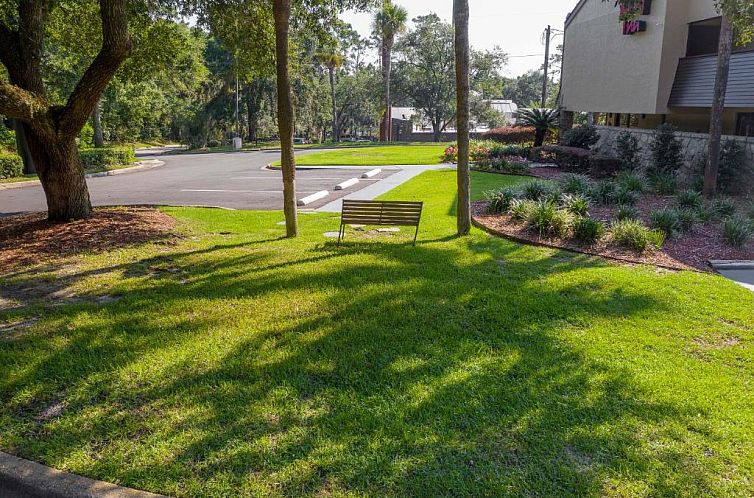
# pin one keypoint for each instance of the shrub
(604, 192)
(500, 200)
(634, 235)
(628, 149)
(450, 155)
(723, 207)
(478, 152)
(576, 204)
(521, 209)
(625, 197)
(663, 182)
(511, 135)
(627, 213)
(665, 220)
(539, 190)
(732, 167)
(576, 184)
(7, 139)
(667, 151)
(632, 182)
(737, 231)
(511, 165)
(588, 230)
(601, 166)
(11, 165)
(688, 199)
(107, 156)
(583, 137)
(501, 150)
(570, 158)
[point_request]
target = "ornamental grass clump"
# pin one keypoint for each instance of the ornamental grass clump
(576, 204)
(588, 230)
(689, 199)
(722, 208)
(663, 182)
(626, 197)
(604, 192)
(576, 184)
(539, 190)
(665, 220)
(627, 213)
(499, 201)
(633, 234)
(547, 219)
(631, 181)
(737, 231)
(520, 209)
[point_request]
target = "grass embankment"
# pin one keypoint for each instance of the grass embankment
(239, 363)
(374, 156)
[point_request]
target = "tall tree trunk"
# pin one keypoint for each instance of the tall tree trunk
(718, 107)
(539, 137)
(62, 176)
(22, 146)
(282, 14)
(461, 18)
(335, 134)
(99, 138)
(388, 63)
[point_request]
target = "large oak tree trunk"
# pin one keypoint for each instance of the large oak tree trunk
(64, 185)
(387, 70)
(718, 107)
(282, 14)
(22, 146)
(51, 131)
(461, 18)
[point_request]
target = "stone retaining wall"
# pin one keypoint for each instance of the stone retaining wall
(695, 146)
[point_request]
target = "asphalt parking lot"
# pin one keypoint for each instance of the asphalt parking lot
(236, 180)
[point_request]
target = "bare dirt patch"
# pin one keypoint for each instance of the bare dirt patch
(30, 239)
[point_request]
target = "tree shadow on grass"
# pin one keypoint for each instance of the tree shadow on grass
(377, 370)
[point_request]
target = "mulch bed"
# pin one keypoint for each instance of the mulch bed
(29, 238)
(690, 251)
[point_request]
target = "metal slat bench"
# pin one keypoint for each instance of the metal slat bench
(380, 213)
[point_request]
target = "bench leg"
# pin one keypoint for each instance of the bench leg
(341, 233)
(416, 234)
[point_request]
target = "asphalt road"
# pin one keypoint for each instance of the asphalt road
(233, 180)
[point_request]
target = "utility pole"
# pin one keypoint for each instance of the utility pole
(548, 33)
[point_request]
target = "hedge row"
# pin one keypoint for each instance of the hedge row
(11, 165)
(577, 160)
(107, 156)
(511, 135)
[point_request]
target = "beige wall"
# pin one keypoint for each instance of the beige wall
(606, 71)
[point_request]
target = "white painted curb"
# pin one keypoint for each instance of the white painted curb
(313, 198)
(346, 184)
(370, 174)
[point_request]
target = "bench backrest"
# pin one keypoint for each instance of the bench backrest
(393, 213)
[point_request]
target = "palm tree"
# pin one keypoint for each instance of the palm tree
(542, 120)
(461, 22)
(282, 14)
(332, 61)
(389, 22)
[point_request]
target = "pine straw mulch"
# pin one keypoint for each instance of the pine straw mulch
(30, 239)
(690, 251)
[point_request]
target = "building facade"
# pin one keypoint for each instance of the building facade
(658, 66)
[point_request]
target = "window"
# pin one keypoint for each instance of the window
(745, 124)
(704, 37)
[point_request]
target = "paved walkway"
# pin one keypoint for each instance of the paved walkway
(375, 190)
(741, 272)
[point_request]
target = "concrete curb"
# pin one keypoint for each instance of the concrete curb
(24, 478)
(312, 198)
(141, 166)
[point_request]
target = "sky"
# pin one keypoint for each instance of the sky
(515, 26)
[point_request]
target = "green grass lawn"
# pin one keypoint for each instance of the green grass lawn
(238, 363)
(385, 155)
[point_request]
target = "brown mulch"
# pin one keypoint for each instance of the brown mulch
(29, 238)
(690, 251)
(548, 173)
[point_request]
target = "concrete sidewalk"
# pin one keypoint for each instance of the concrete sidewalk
(375, 190)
